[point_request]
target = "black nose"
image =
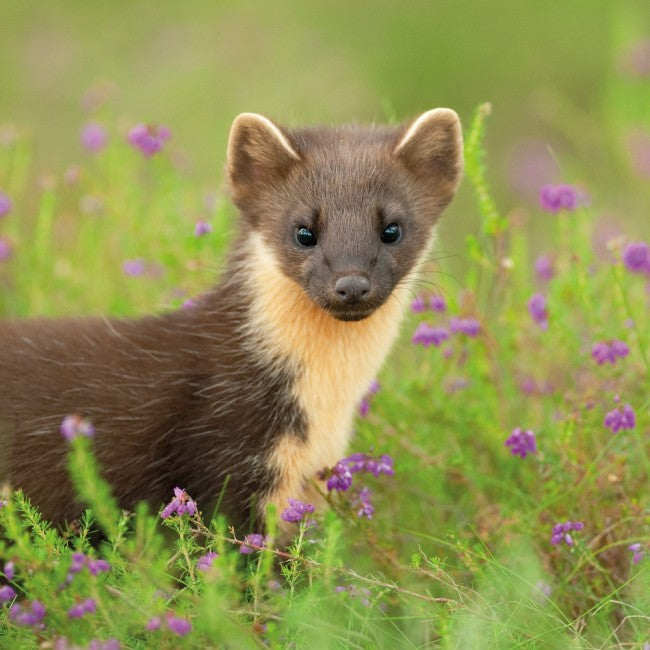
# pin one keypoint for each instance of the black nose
(352, 288)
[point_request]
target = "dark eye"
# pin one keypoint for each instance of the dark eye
(391, 233)
(305, 236)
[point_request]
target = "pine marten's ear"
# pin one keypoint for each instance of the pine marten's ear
(432, 148)
(258, 152)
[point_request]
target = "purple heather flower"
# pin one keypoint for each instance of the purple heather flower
(355, 462)
(21, 616)
(204, 563)
(148, 139)
(468, 326)
(544, 268)
(364, 506)
(609, 351)
(94, 137)
(340, 479)
(297, 511)
(8, 570)
(381, 465)
(5, 204)
(3, 503)
(180, 626)
(74, 426)
(561, 532)
(254, 539)
(544, 588)
(134, 268)
(619, 419)
(638, 552)
(427, 335)
(6, 249)
(88, 606)
(7, 593)
(364, 405)
(418, 305)
(438, 303)
(181, 504)
(153, 624)
(95, 567)
(554, 198)
(201, 228)
(636, 257)
(109, 644)
(521, 442)
(78, 562)
(537, 310)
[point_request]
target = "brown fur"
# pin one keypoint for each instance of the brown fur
(259, 381)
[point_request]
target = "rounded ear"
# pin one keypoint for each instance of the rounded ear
(258, 152)
(431, 146)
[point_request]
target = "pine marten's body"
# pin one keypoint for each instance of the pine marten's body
(259, 381)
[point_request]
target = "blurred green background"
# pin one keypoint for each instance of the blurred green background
(551, 69)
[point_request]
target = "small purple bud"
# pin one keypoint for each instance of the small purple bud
(202, 228)
(94, 137)
(98, 566)
(205, 562)
(5, 205)
(544, 268)
(74, 426)
(8, 570)
(179, 626)
(418, 305)
(254, 539)
(636, 257)
(438, 303)
(148, 139)
(153, 624)
(537, 310)
(134, 268)
(7, 593)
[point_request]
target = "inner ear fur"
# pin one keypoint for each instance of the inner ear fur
(258, 152)
(431, 146)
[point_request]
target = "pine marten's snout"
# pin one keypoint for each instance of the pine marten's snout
(353, 298)
(352, 289)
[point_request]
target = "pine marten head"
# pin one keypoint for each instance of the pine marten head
(346, 211)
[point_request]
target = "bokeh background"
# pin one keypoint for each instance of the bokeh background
(560, 76)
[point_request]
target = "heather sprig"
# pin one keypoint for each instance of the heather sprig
(554, 198)
(181, 504)
(620, 419)
(521, 442)
(609, 351)
(297, 511)
(562, 532)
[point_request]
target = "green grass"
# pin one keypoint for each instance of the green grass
(459, 547)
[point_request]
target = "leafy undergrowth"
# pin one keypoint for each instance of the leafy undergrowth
(515, 411)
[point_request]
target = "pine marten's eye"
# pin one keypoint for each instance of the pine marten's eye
(305, 236)
(391, 233)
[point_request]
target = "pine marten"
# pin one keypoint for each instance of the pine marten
(258, 382)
